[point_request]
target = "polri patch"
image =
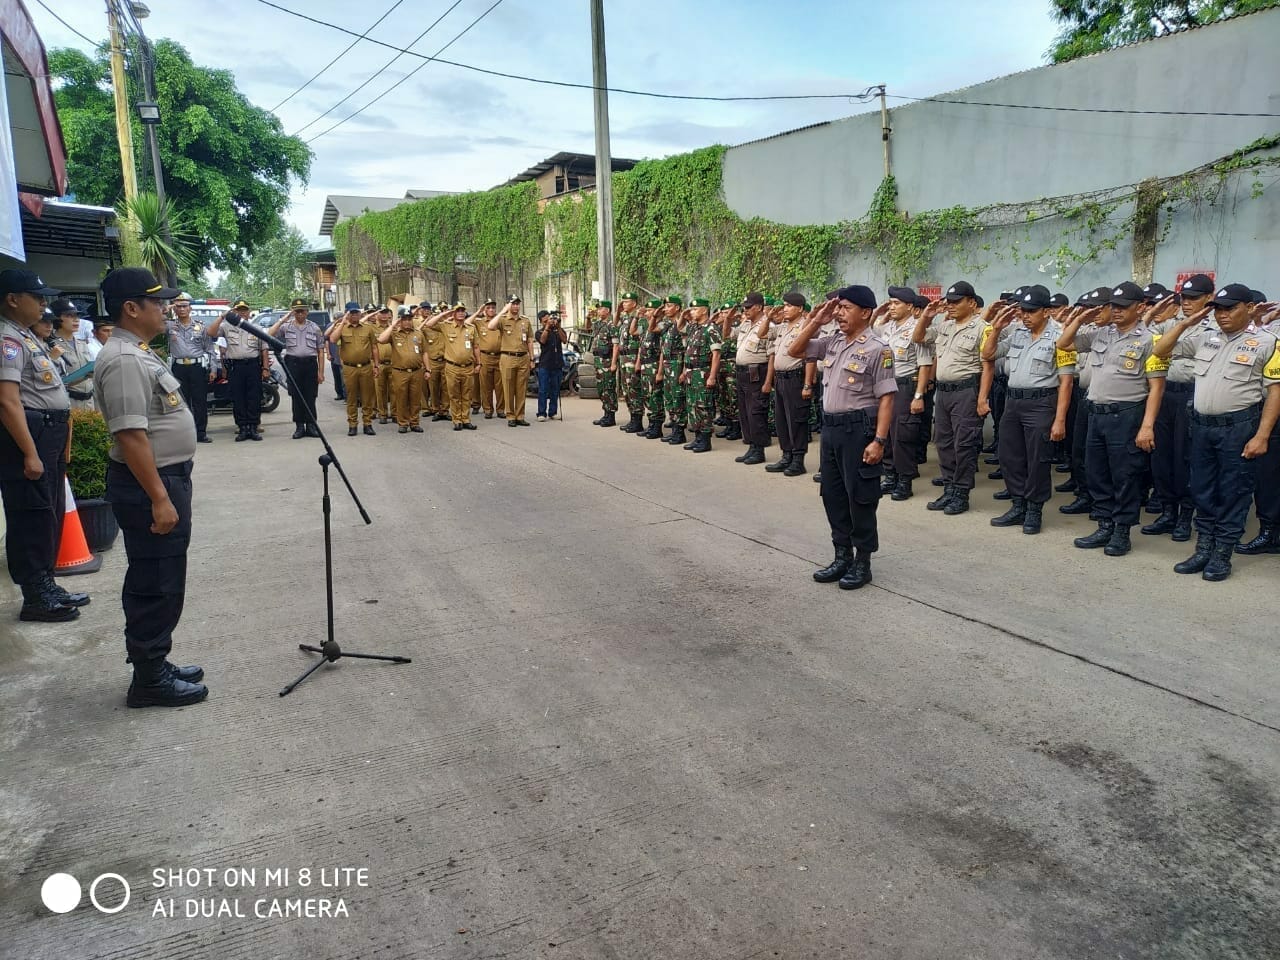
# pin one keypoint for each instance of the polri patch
(12, 348)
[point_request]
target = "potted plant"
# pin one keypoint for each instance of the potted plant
(87, 473)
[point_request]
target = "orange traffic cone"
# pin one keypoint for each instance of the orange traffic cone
(73, 552)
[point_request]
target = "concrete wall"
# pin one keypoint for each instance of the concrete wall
(943, 155)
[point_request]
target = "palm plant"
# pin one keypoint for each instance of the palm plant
(155, 236)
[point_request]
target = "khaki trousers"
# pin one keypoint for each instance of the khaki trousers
(361, 392)
(514, 372)
(406, 396)
(458, 383)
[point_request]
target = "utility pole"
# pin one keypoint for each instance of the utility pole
(124, 129)
(153, 141)
(884, 129)
(604, 161)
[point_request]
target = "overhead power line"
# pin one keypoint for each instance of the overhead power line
(53, 13)
(319, 73)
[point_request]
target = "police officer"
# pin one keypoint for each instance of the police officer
(1266, 495)
(1125, 388)
(71, 352)
(403, 346)
(248, 365)
(791, 388)
(857, 404)
(1040, 381)
(516, 361)
(35, 411)
(751, 364)
(193, 358)
(957, 345)
(304, 355)
(913, 369)
(606, 347)
(148, 484)
(1235, 408)
(356, 337)
(1078, 429)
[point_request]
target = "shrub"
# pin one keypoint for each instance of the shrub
(90, 443)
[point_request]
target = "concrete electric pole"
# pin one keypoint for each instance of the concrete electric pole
(124, 130)
(604, 161)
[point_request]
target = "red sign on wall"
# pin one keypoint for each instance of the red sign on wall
(1185, 275)
(931, 290)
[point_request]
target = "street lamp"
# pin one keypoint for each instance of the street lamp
(150, 113)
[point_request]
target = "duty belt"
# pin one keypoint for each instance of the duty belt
(1105, 408)
(788, 374)
(243, 360)
(187, 361)
(847, 418)
(49, 416)
(955, 385)
(365, 364)
(406, 369)
(512, 353)
(1172, 387)
(455, 363)
(1031, 393)
(906, 381)
(1247, 415)
(492, 353)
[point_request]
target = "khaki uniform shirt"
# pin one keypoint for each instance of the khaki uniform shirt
(957, 348)
(908, 357)
(1232, 373)
(856, 373)
(517, 333)
(136, 391)
(405, 350)
(459, 343)
(25, 361)
(1035, 363)
(490, 341)
(1120, 364)
(433, 337)
(787, 334)
(753, 349)
(356, 343)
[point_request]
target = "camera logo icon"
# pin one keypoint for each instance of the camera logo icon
(61, 892)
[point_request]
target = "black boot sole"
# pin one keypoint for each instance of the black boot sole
(139, 701)
(56, 615)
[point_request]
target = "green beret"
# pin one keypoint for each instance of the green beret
(654, 303)
(606, 303)
(628, 295)
(699, 302)
(728, 305)
(770, 301)
(676, 299)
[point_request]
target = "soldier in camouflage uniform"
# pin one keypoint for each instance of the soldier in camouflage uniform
(647, 361)
(669, 366)
(727, 382)
(699, 373)
(604, 351)
(630, 328)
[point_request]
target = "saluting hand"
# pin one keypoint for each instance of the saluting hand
(164, 517)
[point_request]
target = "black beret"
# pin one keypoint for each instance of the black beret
(905, 294)
(794, 299)
(858, 295)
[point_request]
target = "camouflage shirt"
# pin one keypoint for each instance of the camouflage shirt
(630, 345)
(673, 345)
(701, 340)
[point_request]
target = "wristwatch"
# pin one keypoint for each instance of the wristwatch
(919, 396)
(883, 441)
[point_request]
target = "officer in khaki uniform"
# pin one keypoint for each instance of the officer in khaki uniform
(437, 396)
(402, 345)
(382, 370)
(357, 340)
(516, 360)
(460, 358)
(1234, 411)
(148, 485)
(490, 342)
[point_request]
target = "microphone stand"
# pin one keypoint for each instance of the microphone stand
(329, 650)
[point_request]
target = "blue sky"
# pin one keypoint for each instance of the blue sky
(452, 129)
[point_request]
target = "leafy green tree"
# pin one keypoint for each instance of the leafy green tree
(228, 165)
(1089, 26)
(273, 274)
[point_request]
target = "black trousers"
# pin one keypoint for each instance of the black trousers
(1024, 446)
(193, 378)
(339, 385)
(904, 433)
(1266, 494)
(791, 418)
(33, 509)
(155, 583)
(1171, 459)
(1116, 464)
(850, 488)
(926, 423)
(959, 438)
(999, 396)
(753, 406)
(1078, 434)
(246, 391)
(304, 385)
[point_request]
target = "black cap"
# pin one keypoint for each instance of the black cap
(1034, 298)
(1232, 294)
(1094, 298)
(63, 305)
(794, 299)
(920, 301)
(858, 295)
(299, 304)
(1154, 292)
(959, 290)
(753, 299)
(1258, 296)
(905, 294)
(1059, 300)
(24, 281)
(1125, 294)
(1197, 285)
(133, 283)
(976, 299)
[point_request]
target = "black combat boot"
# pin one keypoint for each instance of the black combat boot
(701, 442)
(1002, 495)
(1034, 518)
(781, 465)
(677, 436)
(634, 425)
(1066, 486)
(958, 504)
(655, 429)
(888, 481)
(733, 431)
(62, 596)
(1267, 541)
(1162, 524)
(941, 503)
(1099, 538)
(796, 467)
(817, 476)
(1219, 565)
(902, 489)
(1199, 559)
(1015, 515)
(608, 420)
(40, 605)
(1119, 543)
(1182, 529)
(157, 684)
(1080, 505)
(859, 573)
(837, 568)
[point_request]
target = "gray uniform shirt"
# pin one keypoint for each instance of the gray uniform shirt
(240, 345)
(25, 361)
(1119, 364)
(301, 339)
(136, 391)
(856, 373)
(1038, 363)
(1232, 373)
(908, 357)
(957, 348)
(1181, 369)
(189, 341)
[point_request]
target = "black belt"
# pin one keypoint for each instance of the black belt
(492, 353)
(357, 364)
(182, 469)
(385, 363)
(406, 369)
(748, 366)
(49, 416)
(1248, 415)
(1113, 407)
(707, 367)
(906, 381)
(955, 385)
(244, 360)
(1171, 387)
(849, 417)
(1031, 393)
(300, 356)
(789, 374)
(75, 394)
(512, 353)
(455, 363)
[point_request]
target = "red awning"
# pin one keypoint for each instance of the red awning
(41, 167)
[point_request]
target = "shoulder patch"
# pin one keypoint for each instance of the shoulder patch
(11, 348)
(886, 359)
(1272, 370)
(1155, 365)
(1064, 358)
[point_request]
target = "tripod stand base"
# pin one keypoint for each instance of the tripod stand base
(333, 653)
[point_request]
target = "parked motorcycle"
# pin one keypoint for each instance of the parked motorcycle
(220, 392)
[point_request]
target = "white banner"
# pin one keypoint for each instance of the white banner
(10, 217)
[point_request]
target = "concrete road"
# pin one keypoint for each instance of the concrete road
(635, 728)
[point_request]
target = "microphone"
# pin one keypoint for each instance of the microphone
(233, 318)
